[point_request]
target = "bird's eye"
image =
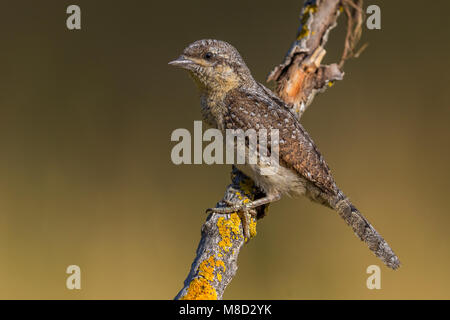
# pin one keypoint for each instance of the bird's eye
(208, 55)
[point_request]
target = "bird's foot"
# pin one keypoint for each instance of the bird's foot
(246, 211)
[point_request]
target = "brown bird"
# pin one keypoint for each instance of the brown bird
(232, 99)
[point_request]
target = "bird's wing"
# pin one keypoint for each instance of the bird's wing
(259, 110)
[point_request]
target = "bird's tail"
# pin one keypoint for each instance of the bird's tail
(365, 232)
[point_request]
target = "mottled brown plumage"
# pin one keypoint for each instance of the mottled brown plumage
(232, 99)
(297, 150)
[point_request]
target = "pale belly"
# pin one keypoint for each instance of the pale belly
(284, 180)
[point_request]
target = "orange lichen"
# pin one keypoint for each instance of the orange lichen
(228, 228)
(206, 269)
(200, 289)
(220, 263)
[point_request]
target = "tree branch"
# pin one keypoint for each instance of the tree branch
(299, 78)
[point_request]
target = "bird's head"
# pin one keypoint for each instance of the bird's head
(215, 66)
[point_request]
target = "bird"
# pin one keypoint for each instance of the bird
(231, 98)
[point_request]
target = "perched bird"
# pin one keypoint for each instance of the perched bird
(232, 99)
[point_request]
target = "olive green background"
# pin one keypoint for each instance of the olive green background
(86, 176)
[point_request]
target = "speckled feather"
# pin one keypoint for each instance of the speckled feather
(256, 109)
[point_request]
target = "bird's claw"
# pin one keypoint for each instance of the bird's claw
(243, 211)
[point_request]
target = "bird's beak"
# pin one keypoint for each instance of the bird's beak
(182, 62)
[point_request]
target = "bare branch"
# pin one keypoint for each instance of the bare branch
(301, 76)
(355, 18)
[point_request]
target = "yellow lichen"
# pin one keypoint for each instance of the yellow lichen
(304, 33)
(252, 228)
(228, 228)
(207, 269)
(307, 12)
(200, 289)
(220, 263)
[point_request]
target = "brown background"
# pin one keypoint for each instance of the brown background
(86, 176)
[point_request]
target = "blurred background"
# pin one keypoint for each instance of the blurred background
(86, 176)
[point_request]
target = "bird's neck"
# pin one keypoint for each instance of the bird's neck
(213, 108)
